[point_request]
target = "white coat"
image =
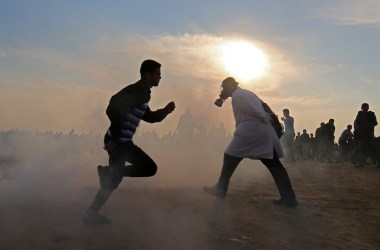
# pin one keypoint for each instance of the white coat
(254, 136)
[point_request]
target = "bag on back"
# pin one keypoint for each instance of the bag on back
(275, 121)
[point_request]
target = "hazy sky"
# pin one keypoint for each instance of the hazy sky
(60, 61)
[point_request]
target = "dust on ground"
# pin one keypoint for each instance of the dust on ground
(338, 210)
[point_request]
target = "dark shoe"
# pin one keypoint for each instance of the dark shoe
(94, 218)
(288, 203)
(214, 191)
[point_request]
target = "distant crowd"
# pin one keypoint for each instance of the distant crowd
(356, 144)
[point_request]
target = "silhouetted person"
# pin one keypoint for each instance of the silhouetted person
(125, 111)
(345, 142)
(355, 155)
(313, 146)
(186, 124)
(320, 140)
(329, 133)
(298, 146)
(305, 145)
(254, 138)
(289, 134)
(365, 123)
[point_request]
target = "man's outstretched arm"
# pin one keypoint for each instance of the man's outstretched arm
(158, 115)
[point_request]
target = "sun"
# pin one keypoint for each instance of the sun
(244, 60)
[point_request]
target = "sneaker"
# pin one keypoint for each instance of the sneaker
(214, 191)
(92, 217)
(284, 202)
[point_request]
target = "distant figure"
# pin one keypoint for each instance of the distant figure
(186, 124)
(329, 133)
(330, 130)
(320, 140)
(298, 146)
(254, 138)
(305, 142)
(345, 142)
(125, 110)
(289, 134)
(365, 123)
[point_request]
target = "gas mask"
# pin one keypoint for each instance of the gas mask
(219, 102)
(226, 89)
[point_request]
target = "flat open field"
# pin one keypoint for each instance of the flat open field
(339, 209)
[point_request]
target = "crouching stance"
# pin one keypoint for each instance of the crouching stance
(254, 138)
(125, 110)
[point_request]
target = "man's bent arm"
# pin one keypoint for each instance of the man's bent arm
(155, 116)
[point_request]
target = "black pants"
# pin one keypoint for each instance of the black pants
(367, 148)
(141, 166)
(274, 166)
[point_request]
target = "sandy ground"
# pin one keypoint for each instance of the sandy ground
(339, 209)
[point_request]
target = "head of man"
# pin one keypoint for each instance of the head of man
(150, 72)
(286, 112)
(229, 85)
(365, 107)
(349, 127)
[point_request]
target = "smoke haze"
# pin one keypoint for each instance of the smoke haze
(53, 176)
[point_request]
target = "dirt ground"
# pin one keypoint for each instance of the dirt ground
(339, 209)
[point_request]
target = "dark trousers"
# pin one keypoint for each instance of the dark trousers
(367, 148)
(141, 166)
(274, 166)
(345, 150)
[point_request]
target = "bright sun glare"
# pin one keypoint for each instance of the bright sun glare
(244, 60)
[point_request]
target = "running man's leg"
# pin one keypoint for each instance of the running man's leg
(116, 162)
(141, 164)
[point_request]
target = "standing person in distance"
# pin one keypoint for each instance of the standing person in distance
(254, 138)
(365, 123)
(289, 134)
(125, 111)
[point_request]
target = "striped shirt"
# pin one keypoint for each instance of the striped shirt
(130, 123)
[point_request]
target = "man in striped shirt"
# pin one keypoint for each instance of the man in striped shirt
(125, 111)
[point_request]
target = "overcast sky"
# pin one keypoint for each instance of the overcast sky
(61, 61)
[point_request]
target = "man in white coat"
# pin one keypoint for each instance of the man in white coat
(254, 138)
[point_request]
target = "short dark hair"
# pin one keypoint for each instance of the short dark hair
(149, 66)
(365, 105)
(285, 110)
